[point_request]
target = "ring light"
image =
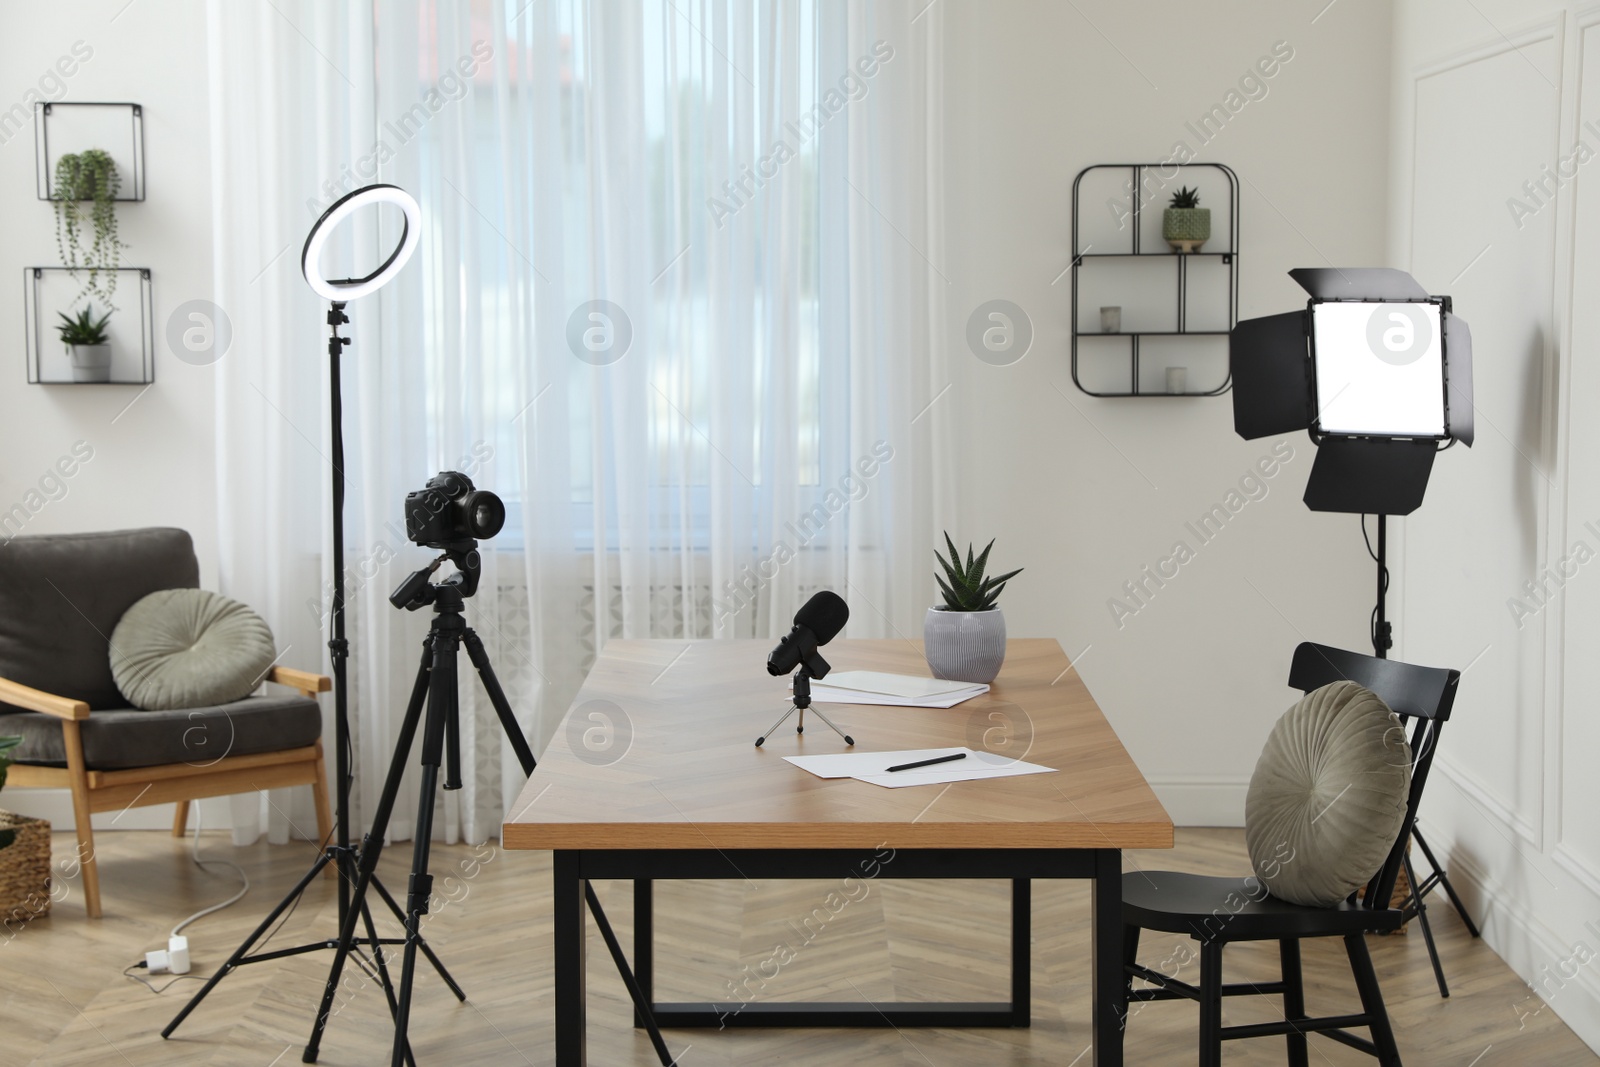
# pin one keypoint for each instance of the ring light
(346, 289)
(349, 860)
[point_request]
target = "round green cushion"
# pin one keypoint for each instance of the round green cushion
(189, 648)
(1328, 796)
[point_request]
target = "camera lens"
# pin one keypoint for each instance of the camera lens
(485, 513)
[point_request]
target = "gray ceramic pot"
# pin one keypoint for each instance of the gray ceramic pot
(91, 363)
(964, 646)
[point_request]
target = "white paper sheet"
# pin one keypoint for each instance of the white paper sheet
(873, 767)
(826, 694)
(905, 686)
(893, 690)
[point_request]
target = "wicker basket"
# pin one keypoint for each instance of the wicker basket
(24, 869)
(1401, 894)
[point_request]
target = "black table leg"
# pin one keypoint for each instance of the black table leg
(1021, 952)
(570, 965)
(644, 943)
(1108, 973)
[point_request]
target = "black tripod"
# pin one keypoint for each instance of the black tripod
(802, 701)
(441, 744)
(339, 852)
(1382, 641)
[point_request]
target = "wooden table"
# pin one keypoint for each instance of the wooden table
(667, 783)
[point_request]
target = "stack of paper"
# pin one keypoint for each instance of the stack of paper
(874, 767)
(896, 690)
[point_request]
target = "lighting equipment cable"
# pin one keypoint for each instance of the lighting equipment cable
(1372, 625)
(127, 972)
(244, 879)
(244, 887)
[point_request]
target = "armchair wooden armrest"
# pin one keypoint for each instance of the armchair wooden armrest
(37, 700)
(308, 683)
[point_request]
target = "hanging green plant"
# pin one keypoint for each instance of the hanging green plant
(90, 177)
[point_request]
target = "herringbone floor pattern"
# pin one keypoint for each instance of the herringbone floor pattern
(63, 999)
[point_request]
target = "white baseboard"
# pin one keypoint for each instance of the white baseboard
(1530, 947)
(1199, 800)
(56, 806)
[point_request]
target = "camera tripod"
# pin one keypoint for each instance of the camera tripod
(435, 686)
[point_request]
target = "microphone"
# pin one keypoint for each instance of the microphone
(817, 622)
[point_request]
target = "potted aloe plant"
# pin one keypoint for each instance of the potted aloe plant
(87, 343)
(964, 639)
(1186, 225)
(89, 177)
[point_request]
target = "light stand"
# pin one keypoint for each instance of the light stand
(358, 869)
(1380, 401)
(341, 853)
(1414, 908)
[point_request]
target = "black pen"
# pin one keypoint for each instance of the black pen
(929, 762)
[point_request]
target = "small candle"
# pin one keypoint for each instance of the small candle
(1177, 380)
(1111, 320)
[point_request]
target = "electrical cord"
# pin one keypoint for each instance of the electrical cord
(244, 879)
(1383, 582)
(128, 973)
(244, 888)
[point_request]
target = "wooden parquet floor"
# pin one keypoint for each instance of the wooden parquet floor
(64, 1000)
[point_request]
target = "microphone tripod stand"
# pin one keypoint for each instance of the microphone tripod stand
(441, 744)
(802, 700)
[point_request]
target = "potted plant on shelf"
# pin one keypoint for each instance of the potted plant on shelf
(89, 177)
(1186, 225)
(24, 857)
(86, 342)
(7, 835)
(965, 638)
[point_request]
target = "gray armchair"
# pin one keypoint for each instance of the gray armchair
(60, 598)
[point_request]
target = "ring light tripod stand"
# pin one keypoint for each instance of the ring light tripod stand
(340, 852)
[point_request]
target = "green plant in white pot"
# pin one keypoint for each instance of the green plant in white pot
(6, 745)
(964, 639)
(87, 343)
(1186, 225)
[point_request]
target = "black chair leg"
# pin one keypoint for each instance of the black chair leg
(1355, 946)
(1211, 1004)
(1294, 999)
(1421, 909)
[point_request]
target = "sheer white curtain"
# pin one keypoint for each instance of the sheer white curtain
(677, 300)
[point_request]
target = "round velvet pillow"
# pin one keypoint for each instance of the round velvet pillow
(189, 648)
(1328, 796)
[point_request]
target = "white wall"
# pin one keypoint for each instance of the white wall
(153, 460)
(1086, 492)
(1484, 102)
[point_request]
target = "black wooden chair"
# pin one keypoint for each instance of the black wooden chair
(1216, 911)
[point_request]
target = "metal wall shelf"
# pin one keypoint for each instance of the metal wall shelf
(1227, 257)
(48, 290)
(117, 128)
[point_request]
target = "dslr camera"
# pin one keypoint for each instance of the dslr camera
(451, 513)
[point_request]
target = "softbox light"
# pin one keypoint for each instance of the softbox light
(1376, 369)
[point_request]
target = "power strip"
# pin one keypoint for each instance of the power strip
(175, 960)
